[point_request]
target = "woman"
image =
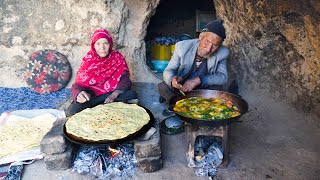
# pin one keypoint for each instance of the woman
(103, 76)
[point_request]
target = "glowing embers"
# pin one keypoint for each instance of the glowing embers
(106, 162)
(207, 148)
(114, 152)
(208, 155)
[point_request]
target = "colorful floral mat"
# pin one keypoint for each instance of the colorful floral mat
(24, 99)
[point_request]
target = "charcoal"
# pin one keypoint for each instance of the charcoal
(101, 163)
(210, 160)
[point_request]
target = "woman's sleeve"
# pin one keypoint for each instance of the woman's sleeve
(76, 89)
(125, 82)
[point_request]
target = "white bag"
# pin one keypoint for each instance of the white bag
(25, 115)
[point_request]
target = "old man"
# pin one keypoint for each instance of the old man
(197, 63)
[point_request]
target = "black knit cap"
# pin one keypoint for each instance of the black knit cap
(216, 27)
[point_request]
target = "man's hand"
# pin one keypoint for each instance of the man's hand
(112, 97)
(191, 84)
(83, 97)
(176, 80)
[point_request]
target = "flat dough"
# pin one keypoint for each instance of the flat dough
(21, 135)
(111, 121)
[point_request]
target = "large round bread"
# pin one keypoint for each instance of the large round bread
(111, 121)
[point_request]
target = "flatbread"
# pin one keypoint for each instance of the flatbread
(111, 121)
(21, 135)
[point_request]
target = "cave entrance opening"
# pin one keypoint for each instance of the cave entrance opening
(174, 21)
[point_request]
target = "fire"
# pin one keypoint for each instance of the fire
(114, 152)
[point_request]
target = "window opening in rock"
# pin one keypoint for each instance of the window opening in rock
(174, 21)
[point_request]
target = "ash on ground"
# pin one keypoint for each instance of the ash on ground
(208, 155)
(108, 162)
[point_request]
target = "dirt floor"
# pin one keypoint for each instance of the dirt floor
(273, 141)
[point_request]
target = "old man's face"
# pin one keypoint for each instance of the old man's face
(209, 44)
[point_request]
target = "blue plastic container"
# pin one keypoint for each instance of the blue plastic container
(159, 65)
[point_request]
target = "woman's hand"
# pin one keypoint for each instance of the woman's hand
(83, 97)
(112, 96)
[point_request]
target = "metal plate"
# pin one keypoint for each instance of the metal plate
(167, 130)
(82, 141)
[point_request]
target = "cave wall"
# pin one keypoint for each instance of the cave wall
(66, 26)
(275, 45)
(275, 49)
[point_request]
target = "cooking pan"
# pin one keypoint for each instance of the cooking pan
(240, 103)
(82, 141)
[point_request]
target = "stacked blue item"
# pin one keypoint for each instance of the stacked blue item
(159, 65)
(171, 40)
(25, 99)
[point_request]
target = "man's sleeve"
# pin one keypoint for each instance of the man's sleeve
(173, 66)
(220, 77)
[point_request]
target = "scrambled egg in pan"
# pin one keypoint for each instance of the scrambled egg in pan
(209, 109)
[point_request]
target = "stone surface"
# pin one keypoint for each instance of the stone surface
(54, 141)
(272, 53)
(275, 49)
(60, 161)
(30, 26)
(151, 164)
(148, 148)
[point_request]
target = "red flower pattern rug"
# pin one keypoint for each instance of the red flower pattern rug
(47, 71)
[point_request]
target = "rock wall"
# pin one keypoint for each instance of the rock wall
(66, 26)
(275, 48)
(275, 45)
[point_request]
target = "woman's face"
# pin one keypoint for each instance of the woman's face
(102, 47)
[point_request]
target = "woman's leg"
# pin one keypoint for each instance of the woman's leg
(126, 96)
(77, 107)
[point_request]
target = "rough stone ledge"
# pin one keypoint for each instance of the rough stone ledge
(54, 141)
(151, 164)
(148, 148)
(60, 161)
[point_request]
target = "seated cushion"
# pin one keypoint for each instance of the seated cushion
(47, 71)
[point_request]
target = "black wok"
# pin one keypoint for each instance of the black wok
(82, 141)
(240, 103)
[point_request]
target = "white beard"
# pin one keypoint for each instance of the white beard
(206, 56)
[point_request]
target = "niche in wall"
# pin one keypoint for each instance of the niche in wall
(174, 21)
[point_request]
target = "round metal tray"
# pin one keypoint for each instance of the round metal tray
(82, 141)
(171, 130)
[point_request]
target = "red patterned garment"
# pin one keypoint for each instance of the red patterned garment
(101, 75)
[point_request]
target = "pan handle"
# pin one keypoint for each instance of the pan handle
(170, 107)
